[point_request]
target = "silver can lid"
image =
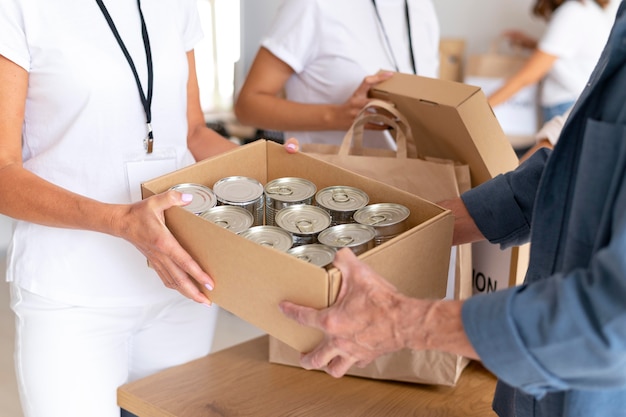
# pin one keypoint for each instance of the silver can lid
(203, 197)
(270, 236)
(341, 198)
(316, 254)
(382, 214)
(233, 218)
(290, 189)
(347, 235)
(303, 219)
(238, 189)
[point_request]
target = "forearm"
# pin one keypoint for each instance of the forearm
(205, 143)
(276, 113)
(434, 325)
(465, 229)
(39, 201)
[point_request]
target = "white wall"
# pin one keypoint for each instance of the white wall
(5, 232)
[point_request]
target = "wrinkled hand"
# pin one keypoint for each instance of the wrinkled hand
(351, 108)
(359, 327)
(143, 225)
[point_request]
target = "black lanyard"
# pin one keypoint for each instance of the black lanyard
(146, 101)
(408, 25)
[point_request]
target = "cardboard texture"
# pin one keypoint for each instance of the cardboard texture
(451, 120)
(252, 279)
(451, 59)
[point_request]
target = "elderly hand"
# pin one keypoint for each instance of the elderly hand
(364, 323)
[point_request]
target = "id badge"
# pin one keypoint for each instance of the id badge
(146, 167)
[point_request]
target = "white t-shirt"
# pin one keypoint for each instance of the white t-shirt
(84, 120)
(332, 45)
(576, 34)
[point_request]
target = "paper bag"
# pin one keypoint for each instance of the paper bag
(518, 116)
(434, 180)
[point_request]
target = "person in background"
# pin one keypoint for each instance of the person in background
(314, 69)
(548, 135)
(564, 57)
(95, 97)
(557, 343)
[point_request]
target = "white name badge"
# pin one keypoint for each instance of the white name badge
(146, 167)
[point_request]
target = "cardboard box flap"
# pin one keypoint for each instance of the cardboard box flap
(451, 120)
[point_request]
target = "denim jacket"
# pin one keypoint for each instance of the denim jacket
(558, 343)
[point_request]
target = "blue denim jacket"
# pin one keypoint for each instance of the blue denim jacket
(558, 342)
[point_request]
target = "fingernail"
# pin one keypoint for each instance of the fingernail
(209, 287)
(207, 305)
(292, 147)
(187, 197)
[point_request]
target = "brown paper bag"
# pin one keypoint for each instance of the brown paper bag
(434, 180)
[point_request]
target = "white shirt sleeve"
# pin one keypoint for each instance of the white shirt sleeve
(13, 44)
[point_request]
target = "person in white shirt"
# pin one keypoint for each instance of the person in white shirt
(96, 96)
(564, 56)
(313, 71)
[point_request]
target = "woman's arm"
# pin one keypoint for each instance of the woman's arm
(261, 103)
(201, 141)
(538, 65)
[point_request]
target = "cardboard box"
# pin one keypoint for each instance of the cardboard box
(251, 279)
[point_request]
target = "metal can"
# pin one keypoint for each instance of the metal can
(270, 236)
(203, 197)
(358, 237)
(303, 221)
(341, 202)
(388, 219)
(285, 192)
(236, 219)
(316, 254)
(243, 192)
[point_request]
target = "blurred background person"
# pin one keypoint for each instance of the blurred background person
(316, 65)
(564, 57)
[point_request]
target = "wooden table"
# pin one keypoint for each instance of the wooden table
(240, 381)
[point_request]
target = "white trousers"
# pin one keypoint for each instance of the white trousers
(70, 360)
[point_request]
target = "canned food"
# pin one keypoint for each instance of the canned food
(270, 236)
(243, 192)
(236, 219)
(303, 221)
(285, 192)
(358, 237)
(203, 197)
(316, 254)
(341, 202)
(388, 219)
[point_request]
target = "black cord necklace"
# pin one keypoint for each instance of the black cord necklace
(388, 43)
(146, 101)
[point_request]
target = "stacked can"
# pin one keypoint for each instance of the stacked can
(303, 221)
(233, 218)
(242, 192)
(285, 192)
(316, 254)
(269, 236)
(358, 237)
(388, 219)
(203, 197)
(341, 202)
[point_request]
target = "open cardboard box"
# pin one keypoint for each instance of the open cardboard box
(252, 279)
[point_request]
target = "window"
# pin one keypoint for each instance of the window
(217, 53)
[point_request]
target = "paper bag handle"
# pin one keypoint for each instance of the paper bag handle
(353, 140)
